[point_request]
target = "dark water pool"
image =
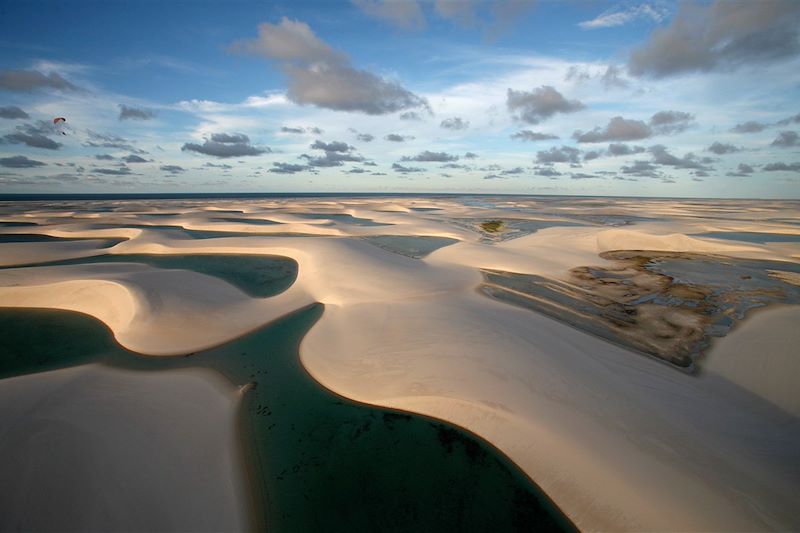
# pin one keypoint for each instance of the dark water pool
(318, 462)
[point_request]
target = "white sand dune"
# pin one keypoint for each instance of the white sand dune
(98, 449)
(762, 355)
(619, 441)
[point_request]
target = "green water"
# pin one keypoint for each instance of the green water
(217, 234)
(318, 462)
(415, 246)
(15, 224)
(38, 237)
(259, 276)
(342, 217)
(242, 220)
(750, 236)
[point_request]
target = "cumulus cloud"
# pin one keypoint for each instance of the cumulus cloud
(619, 149)
(12, 112)
(785, 122)
(512, 171)
(642, 169)
(454, 123)
(121, 171)
(622, 129)
(749, 127)
(662, 157)
(786, 139)
(33, 135)
(619, 16)
(287, 168)
(405, 14)
(225, 145)
(397, 138)
(723, 148)
(331, 159)
(320, 76)
(104, 157)
(20, 161)
(133, 158)
(670, 122)
(782, 167)
(343, 88)
(428, 156)
(172, 169)
(470, 155)
(592, 154)
(618, 129)
(365, 137)
(720, 35)
(335, 154)
(31, 80)
(742, 171)
(333, 146)
(528, 135)
(134, 113)
(540, 104)
(397, 167)
(564, 154)
(547, 172)
(290, 41)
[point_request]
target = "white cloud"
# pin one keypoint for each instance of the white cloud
(619, 17)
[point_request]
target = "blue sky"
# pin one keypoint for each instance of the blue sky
(520, 96)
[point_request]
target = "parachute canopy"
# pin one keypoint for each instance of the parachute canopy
(59, 123)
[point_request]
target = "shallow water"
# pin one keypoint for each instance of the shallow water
(177, 231)
(36, 237)
(415, 246)
(254, 221)
(15, 224)
(259, 276)
(750, 236)
(342, 217)
(319, 462)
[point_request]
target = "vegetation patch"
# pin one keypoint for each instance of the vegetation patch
(492, 226)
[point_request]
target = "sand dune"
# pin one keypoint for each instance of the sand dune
(761, 356)
(619, 441)
(100, 449)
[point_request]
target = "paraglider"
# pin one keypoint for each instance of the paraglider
(60, 123)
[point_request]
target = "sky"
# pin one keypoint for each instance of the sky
(584, 97)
